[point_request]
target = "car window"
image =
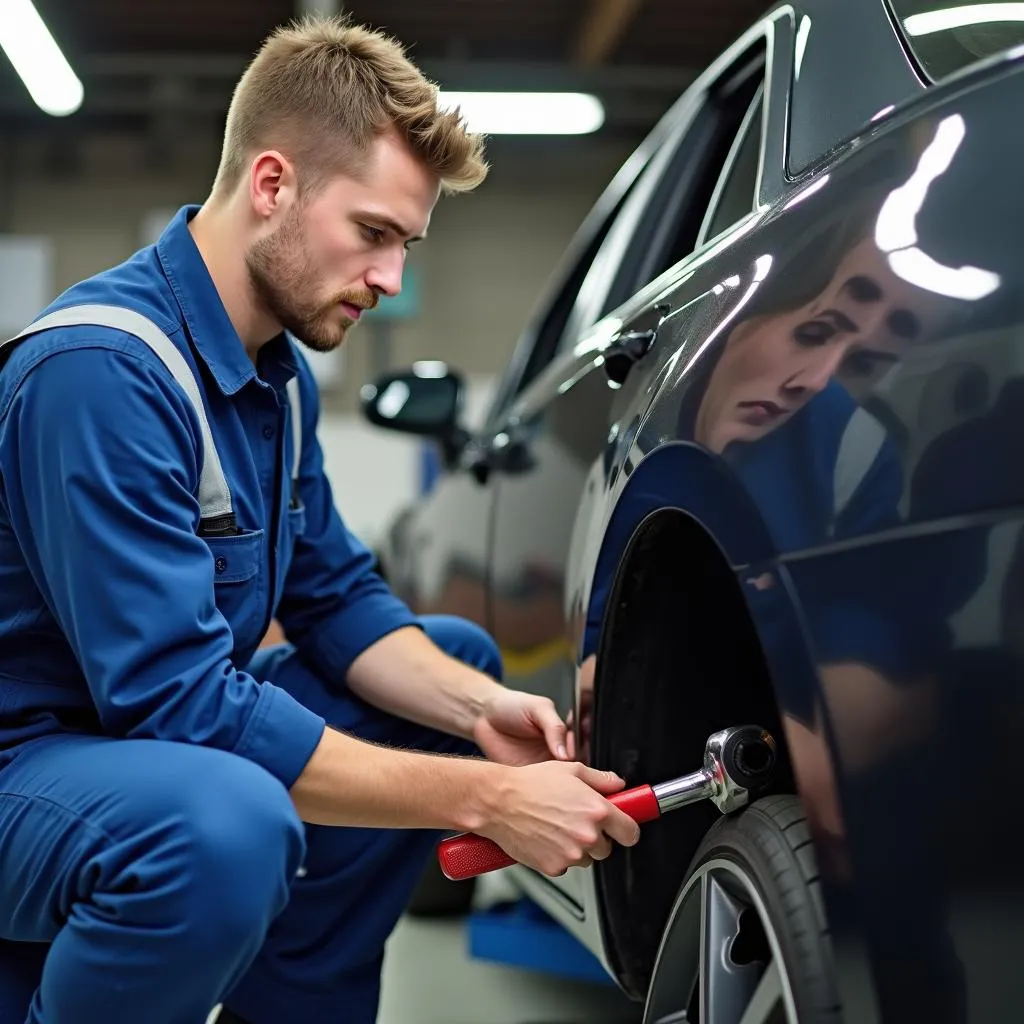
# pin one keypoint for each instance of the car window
(737, 190)
(947, 37)
(540, 341)
(553, 326)
(655, 223)
(669, 228)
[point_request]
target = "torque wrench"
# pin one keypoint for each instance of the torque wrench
(736, 762)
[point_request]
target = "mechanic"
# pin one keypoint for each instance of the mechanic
(188, 818)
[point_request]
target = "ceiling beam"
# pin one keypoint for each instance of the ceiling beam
(603, 26)
(222, 70)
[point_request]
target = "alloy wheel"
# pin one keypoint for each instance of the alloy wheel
(720, 960)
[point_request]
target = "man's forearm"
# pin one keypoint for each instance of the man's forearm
(349, 782)
(406, 674)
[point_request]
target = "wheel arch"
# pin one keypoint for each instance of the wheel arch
(679, 656)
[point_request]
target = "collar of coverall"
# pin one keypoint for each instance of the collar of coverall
(206, 319)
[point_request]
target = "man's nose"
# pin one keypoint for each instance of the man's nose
(385, 276)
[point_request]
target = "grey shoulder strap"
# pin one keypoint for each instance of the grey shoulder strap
(214, 496)
(295, 411)
(859, 447)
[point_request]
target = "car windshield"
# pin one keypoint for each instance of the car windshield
(945, 37)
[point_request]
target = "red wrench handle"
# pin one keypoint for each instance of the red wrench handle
(468, 855)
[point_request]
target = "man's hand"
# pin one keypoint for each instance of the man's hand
(518, 728)
(554, 816)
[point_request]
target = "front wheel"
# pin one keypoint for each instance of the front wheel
(746, 941)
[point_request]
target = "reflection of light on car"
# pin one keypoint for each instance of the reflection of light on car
(393, 400)
(761, 267)
(598, 337)
(949, 18)
(896, 228)
(918, 268)
(802, 35)
(884, 112)
(815, 186)
(430, 369)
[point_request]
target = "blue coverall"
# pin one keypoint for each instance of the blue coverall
(151, 861)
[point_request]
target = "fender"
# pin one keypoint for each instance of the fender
(683, 550)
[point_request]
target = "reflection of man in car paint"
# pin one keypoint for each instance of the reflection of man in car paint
(774, 363)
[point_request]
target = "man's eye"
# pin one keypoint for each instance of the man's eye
(372, 234)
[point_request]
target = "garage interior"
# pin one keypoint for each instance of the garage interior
(81, 192)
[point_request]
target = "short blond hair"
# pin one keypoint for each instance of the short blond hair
(322, 89)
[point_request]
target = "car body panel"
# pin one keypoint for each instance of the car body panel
(932, 557)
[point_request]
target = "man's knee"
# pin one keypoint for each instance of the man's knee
(466, 641)
(219, 843)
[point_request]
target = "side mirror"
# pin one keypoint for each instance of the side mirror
(425, 399)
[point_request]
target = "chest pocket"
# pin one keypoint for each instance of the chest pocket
(239, 585)
(237, 556)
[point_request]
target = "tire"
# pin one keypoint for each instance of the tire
(747, 931)
(438, 896)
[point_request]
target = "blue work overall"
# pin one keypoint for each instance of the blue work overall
(151, 861)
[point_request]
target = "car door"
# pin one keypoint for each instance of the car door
(556, 427)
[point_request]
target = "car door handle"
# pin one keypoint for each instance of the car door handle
(507, 452)
(624, 351)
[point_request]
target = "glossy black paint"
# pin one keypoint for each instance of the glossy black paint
(801, 505)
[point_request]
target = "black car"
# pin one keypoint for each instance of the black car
(759, 458)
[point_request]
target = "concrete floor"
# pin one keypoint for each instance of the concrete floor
(428, 979)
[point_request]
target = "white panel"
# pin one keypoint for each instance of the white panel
(26, 280)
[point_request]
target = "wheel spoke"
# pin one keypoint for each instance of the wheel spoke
(766, 998)
(725, 987)
(723, 956)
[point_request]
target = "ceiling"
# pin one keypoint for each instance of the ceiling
(663, 32)
(142, 60)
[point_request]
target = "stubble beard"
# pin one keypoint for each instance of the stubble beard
(284, 280)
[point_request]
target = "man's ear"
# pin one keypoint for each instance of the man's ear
(272, 184)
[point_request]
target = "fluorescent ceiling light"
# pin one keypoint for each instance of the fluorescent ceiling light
(527, 113)
(37, 58)
(960, 17)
